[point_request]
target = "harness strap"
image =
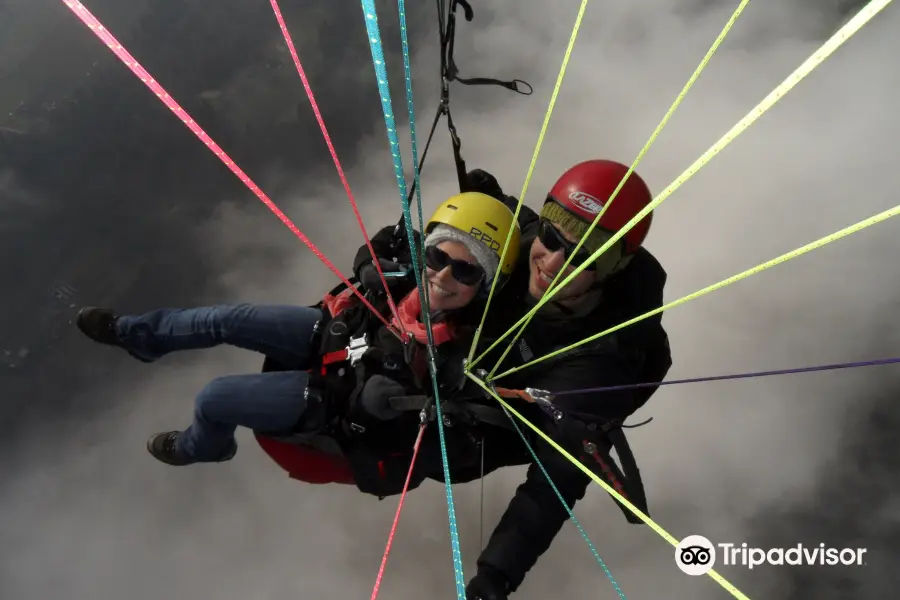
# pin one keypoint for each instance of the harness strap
(627, 480)
(336, 356)
(450, 72)
(353, 410)
(510, 85)
(353, 352)
(477, 412)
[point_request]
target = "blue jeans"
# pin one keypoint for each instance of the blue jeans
(267, 402)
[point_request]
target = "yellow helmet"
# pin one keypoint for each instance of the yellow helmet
(486, 219)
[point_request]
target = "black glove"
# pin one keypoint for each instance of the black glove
(452, 375)
(375, 398)
(488, 584)
(368, 274)
(478, 180)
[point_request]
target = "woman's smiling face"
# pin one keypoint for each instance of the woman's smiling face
(444, 291)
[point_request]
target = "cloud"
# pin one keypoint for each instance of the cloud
(100, 520)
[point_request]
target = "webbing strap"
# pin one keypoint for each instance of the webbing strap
(334, 357)
(467, 410)
(627, 480)
(450, 72)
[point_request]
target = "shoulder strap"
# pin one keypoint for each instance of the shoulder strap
(627, 480)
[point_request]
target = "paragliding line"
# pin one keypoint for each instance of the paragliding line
(481, 501)
(537, 149)
(106, 37)
(634, 386)
(847, 31)
(882, 216)
(334, 157)
(390, 541)
(693, 78)
(449, 73)
(566, 506)
(818, 57)
(729, 587)
(375, 45)
(417, 184)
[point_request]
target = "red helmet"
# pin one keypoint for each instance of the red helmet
(584, 189)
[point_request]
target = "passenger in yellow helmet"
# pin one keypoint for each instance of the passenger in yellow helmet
(331, 369)
(470, 224)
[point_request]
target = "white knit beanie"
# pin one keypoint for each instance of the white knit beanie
(486, 258)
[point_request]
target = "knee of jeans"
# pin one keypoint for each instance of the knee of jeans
(208, 401)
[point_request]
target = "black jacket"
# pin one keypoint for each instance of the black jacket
(636, 354)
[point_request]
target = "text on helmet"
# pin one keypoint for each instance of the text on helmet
(586, 201)
(485, 239)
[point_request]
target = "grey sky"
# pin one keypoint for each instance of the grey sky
(118, 201)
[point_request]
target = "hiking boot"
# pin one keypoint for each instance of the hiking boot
(163, 448)
(99, 324)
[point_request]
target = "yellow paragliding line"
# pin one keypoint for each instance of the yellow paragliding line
(693, 78)
(818, 57)
(849, 29)
(882, 216)
(643, 517)
(537, 149)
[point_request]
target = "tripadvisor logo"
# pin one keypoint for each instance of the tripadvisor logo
(696, 555)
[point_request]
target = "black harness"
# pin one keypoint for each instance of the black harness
(596, 440)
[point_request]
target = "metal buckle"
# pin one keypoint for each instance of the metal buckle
(356, 349)
(462, 374)
(544, 399)
(482, 374)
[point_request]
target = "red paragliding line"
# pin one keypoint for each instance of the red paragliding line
(337, 163)
(390, 542)
(101, 32)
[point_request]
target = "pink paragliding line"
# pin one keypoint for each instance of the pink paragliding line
(390, 541)
(337, 163)
(101, 32)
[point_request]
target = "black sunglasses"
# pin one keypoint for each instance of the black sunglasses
(464, 272)
(553, 240)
